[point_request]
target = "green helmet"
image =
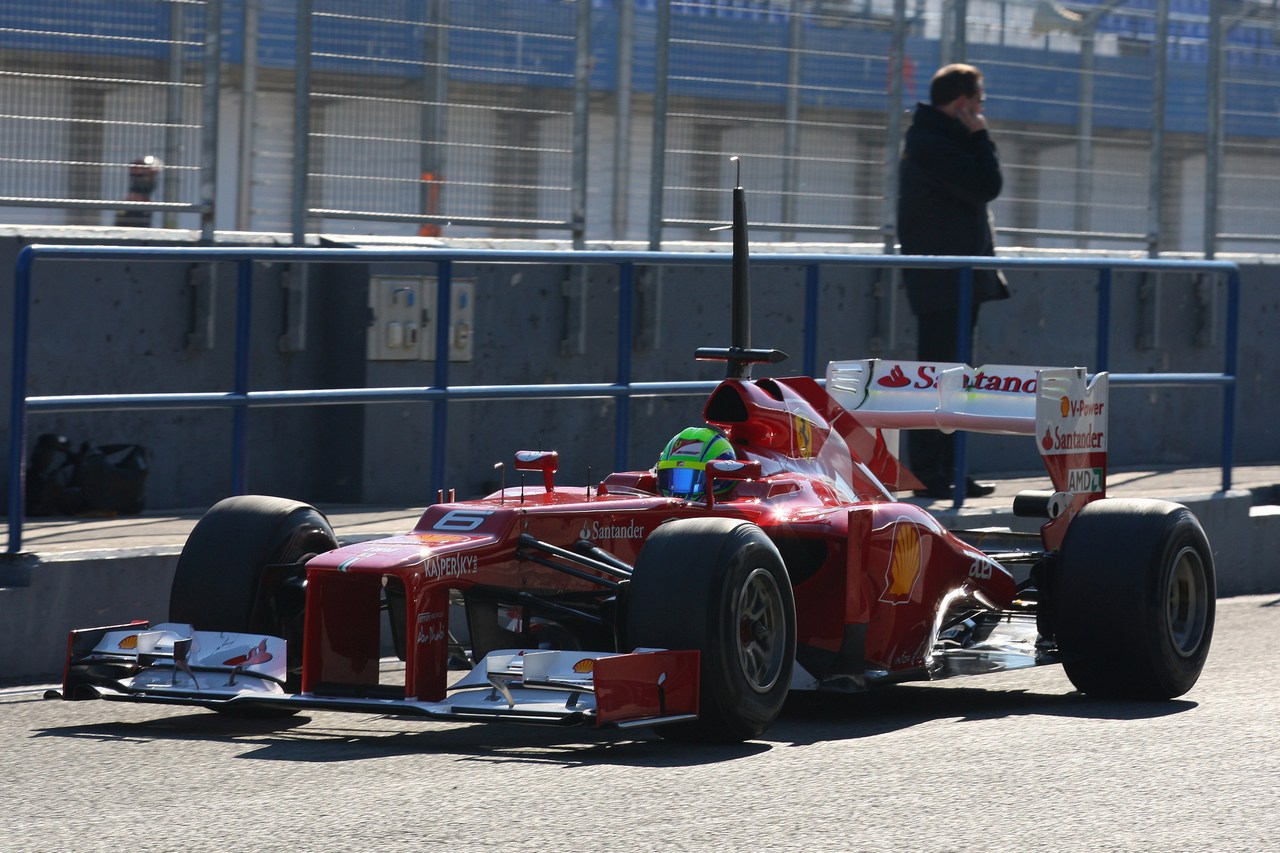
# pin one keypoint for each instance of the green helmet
(682, 465)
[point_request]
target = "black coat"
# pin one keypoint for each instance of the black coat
(946, 177)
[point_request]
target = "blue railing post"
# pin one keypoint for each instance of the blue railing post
(240, 387)
(1229, 368)
(1102, 360)
(440, 408)
(810, 360)
(964, 354)
(622, 410)
(18, 397)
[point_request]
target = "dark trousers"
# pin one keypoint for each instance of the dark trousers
(930, 453)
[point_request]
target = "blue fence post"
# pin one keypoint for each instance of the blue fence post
(18, 398)
(964, 354)
(1103, 357)
(440, 408)
(240, 414)
(622, 410)
(810, 360)
(1230, 367)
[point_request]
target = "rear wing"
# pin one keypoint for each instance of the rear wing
(1063, 407)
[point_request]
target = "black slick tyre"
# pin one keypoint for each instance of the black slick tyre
(241, 568)
(719, 586)
(1132, 599)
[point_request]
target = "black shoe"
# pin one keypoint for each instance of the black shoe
(974, 489)
(942, 491)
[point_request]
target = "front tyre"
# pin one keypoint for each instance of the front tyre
(719, 586)
(1133, 599)
(242, 569)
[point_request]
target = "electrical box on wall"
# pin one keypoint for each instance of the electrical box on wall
(462, 317)
(401, 318)
(403, 321)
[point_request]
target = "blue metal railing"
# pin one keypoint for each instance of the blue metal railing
(240, 398)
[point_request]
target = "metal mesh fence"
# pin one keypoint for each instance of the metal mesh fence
(1122, 124)
(1073, 114)
(799, 92)
(462, 114)
(1124, 162)
(101, 104)
(1248, 216)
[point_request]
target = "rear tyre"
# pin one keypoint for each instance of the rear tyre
(719, 586)
(242, 569)
(1132, 600)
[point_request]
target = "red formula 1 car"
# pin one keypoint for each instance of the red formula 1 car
(764, 553)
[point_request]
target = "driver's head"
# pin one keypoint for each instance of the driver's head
(682, 465)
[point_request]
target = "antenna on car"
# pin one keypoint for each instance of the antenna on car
(740, 356)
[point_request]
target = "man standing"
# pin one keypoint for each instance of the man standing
(948, 174)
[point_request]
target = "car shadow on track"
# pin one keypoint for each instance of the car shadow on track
(813, 718)
(807, 719)
(326, 737)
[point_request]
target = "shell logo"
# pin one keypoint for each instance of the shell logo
(1065, 405)
(585, 665)
(129, 642)
(905, 562)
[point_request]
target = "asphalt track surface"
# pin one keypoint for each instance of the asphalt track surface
(1014, 761)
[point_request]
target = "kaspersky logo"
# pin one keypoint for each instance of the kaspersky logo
(595, 531)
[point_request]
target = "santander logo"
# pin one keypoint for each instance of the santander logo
(895, 379)
(926, 376)
(595, 531)
(1083, 438)
(1081, 430)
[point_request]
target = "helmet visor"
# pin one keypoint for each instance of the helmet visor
(682, 481)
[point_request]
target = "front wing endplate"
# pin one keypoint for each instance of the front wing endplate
(174, 664)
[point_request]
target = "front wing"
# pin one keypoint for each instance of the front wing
(174, 664)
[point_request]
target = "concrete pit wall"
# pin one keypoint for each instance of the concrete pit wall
(131, 327)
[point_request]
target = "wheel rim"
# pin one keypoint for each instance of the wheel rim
(761, 639)
(1188, 602)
